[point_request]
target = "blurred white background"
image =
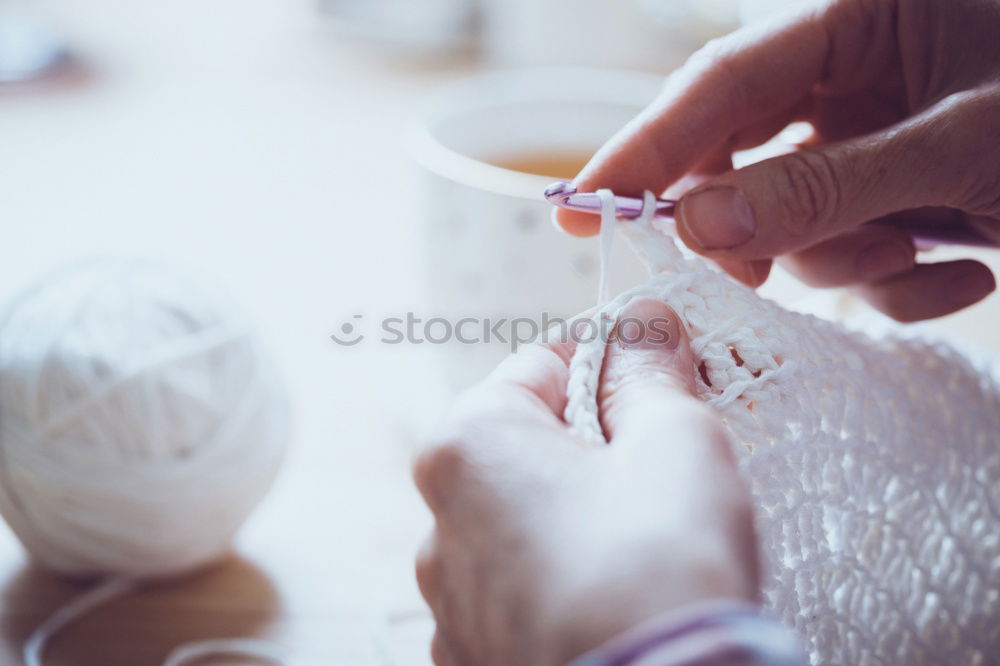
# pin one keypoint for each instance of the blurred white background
(261, 143)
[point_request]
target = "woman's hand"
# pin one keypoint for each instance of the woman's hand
(904, 97)
(543, 548)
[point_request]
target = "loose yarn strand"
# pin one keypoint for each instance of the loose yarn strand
(247, 647)
(113, 589)
(585, 367)
(102, 593)
(582, 411)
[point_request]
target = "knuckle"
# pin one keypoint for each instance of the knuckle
(983, 113)
(860, 32)
(447, 457)
(809, 191)
(719, 65)
(966, 125)
(439, 466)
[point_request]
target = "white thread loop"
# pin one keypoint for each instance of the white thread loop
(609, 220)
(648, 213)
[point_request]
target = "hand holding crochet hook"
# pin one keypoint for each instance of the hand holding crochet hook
(904, 102)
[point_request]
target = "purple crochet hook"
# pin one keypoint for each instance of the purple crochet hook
(925, 236)
(565, 195)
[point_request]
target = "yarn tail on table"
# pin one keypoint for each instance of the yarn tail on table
(112, 589)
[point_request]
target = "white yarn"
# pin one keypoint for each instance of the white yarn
(607, 198)
(874, 465)
(140, 423)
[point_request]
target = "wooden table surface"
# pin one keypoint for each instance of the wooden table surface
(245, 140)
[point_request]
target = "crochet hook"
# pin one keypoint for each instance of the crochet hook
(565, 195)
(925, 235)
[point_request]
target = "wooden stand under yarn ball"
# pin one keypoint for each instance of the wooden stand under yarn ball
(140, 424)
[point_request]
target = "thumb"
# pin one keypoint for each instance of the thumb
(648, 373)
(940, 157)
(655, 423)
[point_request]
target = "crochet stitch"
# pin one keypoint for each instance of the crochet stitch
(874, 465)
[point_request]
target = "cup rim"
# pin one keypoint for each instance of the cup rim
(472, 93)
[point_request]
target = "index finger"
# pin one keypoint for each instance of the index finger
(730, 84)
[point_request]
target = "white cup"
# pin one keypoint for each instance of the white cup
(491, 248)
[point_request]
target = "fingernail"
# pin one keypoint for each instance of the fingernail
(971, 287)
(882, 260)
(648, 324)
(717, 218)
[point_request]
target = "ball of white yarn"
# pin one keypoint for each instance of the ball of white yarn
(140, 421)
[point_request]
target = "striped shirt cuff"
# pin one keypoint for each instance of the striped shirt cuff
(712, 633)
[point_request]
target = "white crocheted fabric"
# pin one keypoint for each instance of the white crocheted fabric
(874, 466)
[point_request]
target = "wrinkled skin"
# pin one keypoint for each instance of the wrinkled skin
(904, 97)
